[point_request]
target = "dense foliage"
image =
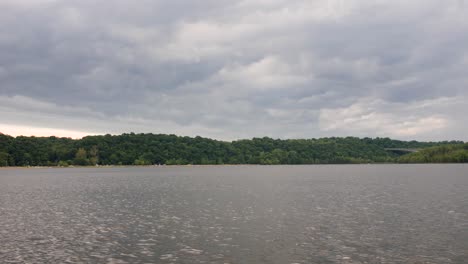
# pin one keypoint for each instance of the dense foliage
(148, 149)
(442, 154)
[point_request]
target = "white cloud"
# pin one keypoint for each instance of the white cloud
(28, 2)
(16, 130)
(233, 69)
(266, 73)
(369, 116)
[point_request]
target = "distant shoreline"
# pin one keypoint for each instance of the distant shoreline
(214, 165)
(147, 149)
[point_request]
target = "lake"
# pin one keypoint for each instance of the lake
(235, 214)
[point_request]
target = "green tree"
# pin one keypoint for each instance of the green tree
(127, 149)
(81, 157)
(93, 155)
(4, 159)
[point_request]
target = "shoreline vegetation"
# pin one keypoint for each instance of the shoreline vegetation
(159, 149)
(215, 165)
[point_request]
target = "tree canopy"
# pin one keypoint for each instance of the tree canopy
(149, 149)
(457, 153)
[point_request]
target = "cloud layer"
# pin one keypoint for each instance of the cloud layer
(237, 69)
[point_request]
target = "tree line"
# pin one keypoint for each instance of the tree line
(150, 149)
(456, 153)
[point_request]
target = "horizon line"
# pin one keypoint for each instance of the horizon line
(255, 137)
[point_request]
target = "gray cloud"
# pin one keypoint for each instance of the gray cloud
(236, 69)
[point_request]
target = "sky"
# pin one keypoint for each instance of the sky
(232, 69)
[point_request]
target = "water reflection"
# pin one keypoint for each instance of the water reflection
(235, 214)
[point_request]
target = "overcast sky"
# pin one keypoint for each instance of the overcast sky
(230, 69)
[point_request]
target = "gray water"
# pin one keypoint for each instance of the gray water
(235, 214)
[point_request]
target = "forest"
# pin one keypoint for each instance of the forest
(454, 153)
(161, 149)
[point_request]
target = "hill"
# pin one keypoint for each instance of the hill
(148, 149)
(441, 154)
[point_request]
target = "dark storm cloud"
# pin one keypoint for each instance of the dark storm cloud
(232, 69)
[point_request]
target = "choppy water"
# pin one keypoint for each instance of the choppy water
(236, 214)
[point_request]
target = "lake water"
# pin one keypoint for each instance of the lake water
(235, 214)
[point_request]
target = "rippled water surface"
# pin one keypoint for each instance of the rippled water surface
(235, 214)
